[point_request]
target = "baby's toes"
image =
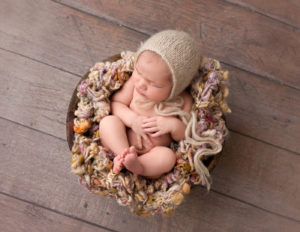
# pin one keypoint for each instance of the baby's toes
(132, 149)
(125, 152)
(117, 167)
(117, 158)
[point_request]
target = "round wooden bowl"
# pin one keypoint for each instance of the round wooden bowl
(210, 162)
(137, 205)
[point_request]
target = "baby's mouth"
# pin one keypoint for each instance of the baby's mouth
(140, 92)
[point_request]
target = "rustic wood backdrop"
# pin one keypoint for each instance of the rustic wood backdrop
(46, 46)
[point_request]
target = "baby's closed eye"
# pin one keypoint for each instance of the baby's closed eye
(153, 84)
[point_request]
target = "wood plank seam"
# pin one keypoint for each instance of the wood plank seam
(41, 62)
(255, 206)
(101, 18)
(58, 212)
(260, 13)
(148, 35)
(262, 76)
(30, 128)
(212, 189)
(262, 141)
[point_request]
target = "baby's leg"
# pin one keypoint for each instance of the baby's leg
(152, 164)
(113, 135)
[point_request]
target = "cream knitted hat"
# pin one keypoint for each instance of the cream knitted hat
(181, 53)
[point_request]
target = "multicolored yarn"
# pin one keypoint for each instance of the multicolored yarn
(204, 137)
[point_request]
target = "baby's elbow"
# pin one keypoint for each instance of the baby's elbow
(178, 132)
(116, 98)
(178, 136)
(177, 139)
(114, 106)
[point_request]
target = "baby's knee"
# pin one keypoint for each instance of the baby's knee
(168, 155)
(108, 121)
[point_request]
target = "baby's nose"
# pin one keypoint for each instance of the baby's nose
(142, 84)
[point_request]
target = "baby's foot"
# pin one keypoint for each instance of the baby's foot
(118, 161)
(131, 161)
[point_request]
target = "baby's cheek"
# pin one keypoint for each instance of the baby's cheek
(157, 94)
(134, 76)
(164, 92)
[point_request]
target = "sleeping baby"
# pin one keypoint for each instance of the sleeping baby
(153, 107)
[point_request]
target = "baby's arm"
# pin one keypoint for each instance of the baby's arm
(178, 126)
(159, 125)
(119, 105)
(120, 102)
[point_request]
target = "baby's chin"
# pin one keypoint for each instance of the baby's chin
(154, 98)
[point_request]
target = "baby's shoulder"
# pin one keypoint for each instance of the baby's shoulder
(188, 101)
(125, 94)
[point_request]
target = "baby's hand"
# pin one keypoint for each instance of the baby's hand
(142, 138)
(158, 125)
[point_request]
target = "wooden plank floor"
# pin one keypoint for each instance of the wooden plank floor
(45, 47)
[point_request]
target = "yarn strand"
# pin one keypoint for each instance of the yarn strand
(194, 139)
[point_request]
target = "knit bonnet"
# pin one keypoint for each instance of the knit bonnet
(181, 53)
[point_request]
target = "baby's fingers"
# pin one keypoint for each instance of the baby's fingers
(149, 124)
(158, 133)
(139, 141)
(146, 120)
(151, 129)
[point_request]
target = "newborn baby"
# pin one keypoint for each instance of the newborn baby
(145, 111)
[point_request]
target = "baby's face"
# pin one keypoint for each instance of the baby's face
(152, 77)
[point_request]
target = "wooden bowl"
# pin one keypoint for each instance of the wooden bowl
(106, 189)
(210, 162)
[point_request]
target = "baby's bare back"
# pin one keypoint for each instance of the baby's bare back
(163, 140)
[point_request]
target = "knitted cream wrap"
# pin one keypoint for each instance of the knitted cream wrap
(181, 53)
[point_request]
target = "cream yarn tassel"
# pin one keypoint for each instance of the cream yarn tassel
(193, 138)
